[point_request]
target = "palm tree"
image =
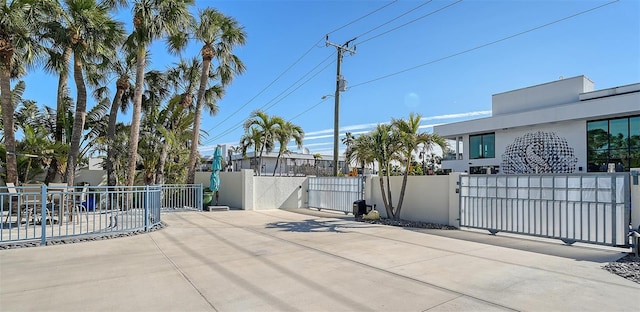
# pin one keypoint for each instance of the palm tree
(411, 140)
(360, 151)
(35, 142)
(268, 128)
(19, 46)
(93, 35)
(184, 78)
(32, 146)
(122, 66)
(289, 131)
(251, 139)
(382, 148)
(220, 34)
(173, 124)
(349, 140)
(152, 19)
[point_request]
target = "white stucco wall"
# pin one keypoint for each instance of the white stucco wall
(575, 133)
(279, 192)
(230, 187)
(427, 198)
(93, 177)
(562, 91)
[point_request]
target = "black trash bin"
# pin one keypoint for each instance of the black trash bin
(359, 207)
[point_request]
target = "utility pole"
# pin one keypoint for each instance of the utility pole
(341, 85)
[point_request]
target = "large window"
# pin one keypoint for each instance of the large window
(482, 146)
(613, 142)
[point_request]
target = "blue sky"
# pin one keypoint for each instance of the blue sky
(440, 59)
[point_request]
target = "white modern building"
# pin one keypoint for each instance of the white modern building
(563, 126)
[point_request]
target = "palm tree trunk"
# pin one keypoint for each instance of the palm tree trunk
(276, 166)
(260, 161)
(402, 190)
(61, 114)
(137, 112)
(389, 193)
(162, 162)
(197, 116)
(111, 134)
(61, 98)
(78, 121)
(387, 207)
(7, 117)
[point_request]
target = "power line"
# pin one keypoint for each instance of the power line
(395, 18)
(306, 110)
(409, 22)
(267, 106)
(362, 17)
(267, 87)
(264, 89)
(486, 44)
(462, 52)
(383, 24)
(295, 63)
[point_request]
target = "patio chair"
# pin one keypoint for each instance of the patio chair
(13, 202)
(57, 195)
(66, 200)
(78, 203)
(31, 199)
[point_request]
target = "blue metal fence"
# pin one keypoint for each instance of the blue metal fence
(181, 196)
(40, 212)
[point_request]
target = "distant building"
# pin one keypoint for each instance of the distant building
(292, 164)
(556, 127)
(96, 163)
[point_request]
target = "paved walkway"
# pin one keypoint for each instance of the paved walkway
(279, 260)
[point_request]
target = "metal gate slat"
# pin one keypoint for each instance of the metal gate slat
(559, 209)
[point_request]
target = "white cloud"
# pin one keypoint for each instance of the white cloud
(323, 135)
(328, 133)
(460, 115)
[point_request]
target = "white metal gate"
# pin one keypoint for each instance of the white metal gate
(592, 208)
(335, 193)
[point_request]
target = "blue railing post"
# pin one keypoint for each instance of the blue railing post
(199, 197)
(146, 208)
(43, 214)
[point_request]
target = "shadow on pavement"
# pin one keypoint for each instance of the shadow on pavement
(311, 225)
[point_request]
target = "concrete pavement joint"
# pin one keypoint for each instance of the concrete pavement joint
(284, 270)
(369, 266)
(183, 274)
(498, 260)
(237, 279)
(443, 303)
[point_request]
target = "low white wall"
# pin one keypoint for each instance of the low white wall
(93, 177)
(427, 198)
(230, 191)
(243, 190)
(279, 192)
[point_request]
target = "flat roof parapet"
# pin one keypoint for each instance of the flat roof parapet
(563, 91)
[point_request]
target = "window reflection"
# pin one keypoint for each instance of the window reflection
(613, 142)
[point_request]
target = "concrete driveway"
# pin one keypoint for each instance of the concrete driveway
(280, 260)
